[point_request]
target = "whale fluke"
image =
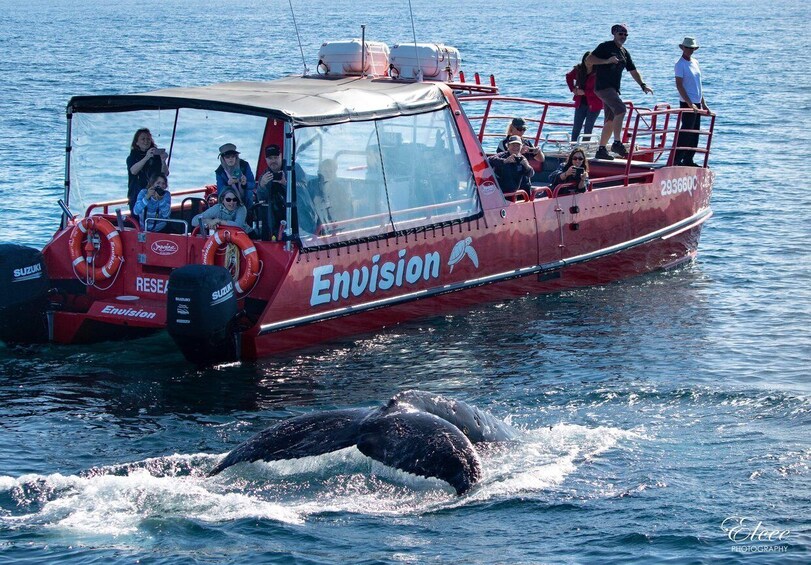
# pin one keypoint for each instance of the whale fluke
(417, 432)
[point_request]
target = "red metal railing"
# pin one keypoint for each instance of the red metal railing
(107, 204)
(654, 129)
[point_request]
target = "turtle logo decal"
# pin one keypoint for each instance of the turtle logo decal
(461, 249)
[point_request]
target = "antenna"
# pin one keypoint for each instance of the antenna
(416, 51)
(363, 50)
(295, 25)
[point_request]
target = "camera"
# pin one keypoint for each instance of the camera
(160, 191)
(579, 171)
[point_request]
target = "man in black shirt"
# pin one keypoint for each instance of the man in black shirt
(610, 59)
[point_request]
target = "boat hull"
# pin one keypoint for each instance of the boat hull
(544, 246)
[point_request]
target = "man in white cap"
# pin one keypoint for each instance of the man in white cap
(691, 95)
(512, 169)
(610, 58)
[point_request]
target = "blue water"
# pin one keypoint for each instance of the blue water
(654, 408)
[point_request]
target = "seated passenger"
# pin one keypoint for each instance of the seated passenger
(512, 169)
(273, 184)
(330, 198)
(518, 127)
(574, 170)
(144, 162)
(235, 173)
(372, 202)
(154, 202)
(229, 212)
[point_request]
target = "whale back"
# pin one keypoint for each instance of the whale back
(477, 425)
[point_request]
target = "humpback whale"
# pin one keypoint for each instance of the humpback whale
(415, 431)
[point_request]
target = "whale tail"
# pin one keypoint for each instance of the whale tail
(422, 444)
(416, 432)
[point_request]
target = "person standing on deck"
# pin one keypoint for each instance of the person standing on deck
(691, 95)
(610, 58)
(144, 162)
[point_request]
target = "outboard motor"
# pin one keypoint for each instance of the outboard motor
(24, 289)
(201, 314)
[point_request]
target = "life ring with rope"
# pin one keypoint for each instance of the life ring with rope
(82, 256)
(223, 237)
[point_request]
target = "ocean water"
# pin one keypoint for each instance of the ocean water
(665, 418)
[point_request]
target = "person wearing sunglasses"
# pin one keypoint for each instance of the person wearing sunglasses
(611, 58)
(691, 95)
(230, 211)
(518, 126)
(574, 170)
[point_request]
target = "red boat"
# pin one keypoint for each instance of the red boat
(409, 222)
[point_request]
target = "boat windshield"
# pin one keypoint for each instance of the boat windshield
(365, 179)
(101, 143)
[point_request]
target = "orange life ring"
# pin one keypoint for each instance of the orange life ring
(224, 236)
(83, 231)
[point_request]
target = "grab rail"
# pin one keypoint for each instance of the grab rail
(105, 205)
(654, 129)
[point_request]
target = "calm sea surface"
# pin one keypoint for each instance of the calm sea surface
(655, 409)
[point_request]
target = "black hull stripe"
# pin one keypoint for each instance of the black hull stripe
(664, 233)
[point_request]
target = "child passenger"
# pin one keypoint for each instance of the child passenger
(155, 201)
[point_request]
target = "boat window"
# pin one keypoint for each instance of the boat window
(101, 144)
(365, 179)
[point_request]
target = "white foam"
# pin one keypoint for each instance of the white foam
(112, 505)
(114, 501)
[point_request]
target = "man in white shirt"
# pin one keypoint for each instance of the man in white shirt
(691, 95)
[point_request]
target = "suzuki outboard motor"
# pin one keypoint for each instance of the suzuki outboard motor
(201, 313)
(24, 289)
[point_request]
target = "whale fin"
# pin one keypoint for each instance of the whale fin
(302, 436)
(422, 444)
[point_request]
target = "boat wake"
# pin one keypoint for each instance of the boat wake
(120, 500)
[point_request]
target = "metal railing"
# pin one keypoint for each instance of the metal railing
(649, 134)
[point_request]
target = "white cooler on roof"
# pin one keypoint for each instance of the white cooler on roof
(436, 60)
(345, 58)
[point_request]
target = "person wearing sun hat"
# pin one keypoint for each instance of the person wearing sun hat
(518, 126)
(609, 59)
(691, 96)
(511, 167)
(235, 173)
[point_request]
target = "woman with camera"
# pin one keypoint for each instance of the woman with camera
(154, 202)
(144, 162)
(574, 173)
